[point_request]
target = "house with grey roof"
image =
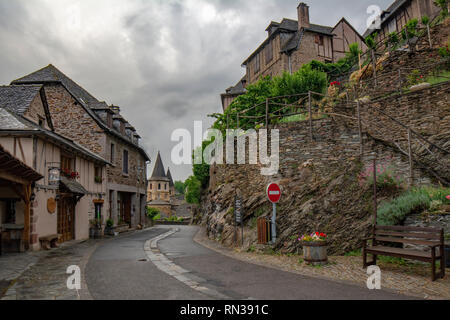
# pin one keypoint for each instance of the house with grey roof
(103, 130)
(161, 188)
(292, 43)
(65, 195)
(397, 15)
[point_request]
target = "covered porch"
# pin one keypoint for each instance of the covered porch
(16, 198)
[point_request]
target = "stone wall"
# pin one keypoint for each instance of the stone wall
(72, 121)
(321, 189)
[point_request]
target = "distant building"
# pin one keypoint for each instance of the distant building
(161, 188)
(290, 44)
(395, 18)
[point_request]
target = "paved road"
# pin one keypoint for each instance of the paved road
(115, 271)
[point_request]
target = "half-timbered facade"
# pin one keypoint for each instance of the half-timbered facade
(60, 204)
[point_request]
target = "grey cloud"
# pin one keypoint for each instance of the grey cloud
(162, 61)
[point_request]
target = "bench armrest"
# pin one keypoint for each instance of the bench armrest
(436, 245)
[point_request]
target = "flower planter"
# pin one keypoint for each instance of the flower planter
(315, 253)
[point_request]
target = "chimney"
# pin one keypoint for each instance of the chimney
(303, 16)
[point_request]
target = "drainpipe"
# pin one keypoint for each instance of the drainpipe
(290, 63)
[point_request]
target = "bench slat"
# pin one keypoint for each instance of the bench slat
(401, 253)
(409, 234)
(402, 228)
(410, 241)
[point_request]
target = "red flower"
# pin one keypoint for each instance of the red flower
(317, 234)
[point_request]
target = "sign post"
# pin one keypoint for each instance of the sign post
(238, 215)
(274, 195)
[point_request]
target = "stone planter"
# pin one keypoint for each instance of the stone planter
(95, 233)
(315, 253)
(420, 86)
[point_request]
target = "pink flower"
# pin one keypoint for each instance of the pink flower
(448, 197)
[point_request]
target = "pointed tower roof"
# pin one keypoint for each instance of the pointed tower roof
(169, 176)
(158, 172)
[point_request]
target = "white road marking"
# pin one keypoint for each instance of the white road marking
(175, 271)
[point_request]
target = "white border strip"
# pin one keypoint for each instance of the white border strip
(175, 271)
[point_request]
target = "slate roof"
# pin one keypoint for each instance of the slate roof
(158, 172)
(10, 121)
(73, 186)
(169, 176)
(18, 98)
(291, 26)
(237, 89)
(51, 74)
(387, 14)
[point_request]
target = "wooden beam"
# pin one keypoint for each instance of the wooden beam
(27, 216)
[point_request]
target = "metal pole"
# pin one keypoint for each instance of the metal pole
(310, 116)
(411, 174)
(361, 150)
(274, 224)
(267, 113)
(375, 200)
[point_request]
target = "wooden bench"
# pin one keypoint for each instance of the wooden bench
(430, 238)
(49, 242)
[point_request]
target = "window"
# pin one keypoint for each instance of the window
(66, 164)
(10, 217)
(159, 186)
(319, 40)
(269, 52)
(257, 63)
(165, 186)
(125, 162)
(151, 186)
(41, 122)
(98, 174)
(113, 151)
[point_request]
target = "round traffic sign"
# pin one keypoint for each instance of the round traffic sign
(274, 193)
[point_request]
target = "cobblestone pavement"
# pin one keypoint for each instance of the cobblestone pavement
(42, 275)
(413, 279)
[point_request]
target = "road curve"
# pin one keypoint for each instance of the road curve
(120, 269)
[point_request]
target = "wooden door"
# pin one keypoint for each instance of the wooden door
(66, 218)
(127, 209)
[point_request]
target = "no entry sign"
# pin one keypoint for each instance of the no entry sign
(274, 193)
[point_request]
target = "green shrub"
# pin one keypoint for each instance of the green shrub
(180, 187)
(110, 223)
(193, 190)
(152, 212)
(444, 52)
(443, 4)
(415, 200)
(157, 217)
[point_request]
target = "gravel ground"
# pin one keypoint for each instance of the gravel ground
(413, 279)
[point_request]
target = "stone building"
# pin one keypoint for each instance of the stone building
(397, 15)
(292, 43)
(161, 188)
(100, 128)
(50, 186)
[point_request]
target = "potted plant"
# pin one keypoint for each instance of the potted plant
(95, 232)
(109, 230)
(315, 248)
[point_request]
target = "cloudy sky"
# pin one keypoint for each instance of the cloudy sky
(165, 62)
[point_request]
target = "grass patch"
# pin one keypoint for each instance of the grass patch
(442, 76)
(356, 253)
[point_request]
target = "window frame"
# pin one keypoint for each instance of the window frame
(125, 165)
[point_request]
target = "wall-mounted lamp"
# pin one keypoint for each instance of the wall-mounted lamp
(54, 173)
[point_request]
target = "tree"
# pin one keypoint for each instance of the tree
(443, 4)
(372, 45)
(179, 187)
(193, 190)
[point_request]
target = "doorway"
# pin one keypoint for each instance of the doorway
(66, 218)
(124, 204)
